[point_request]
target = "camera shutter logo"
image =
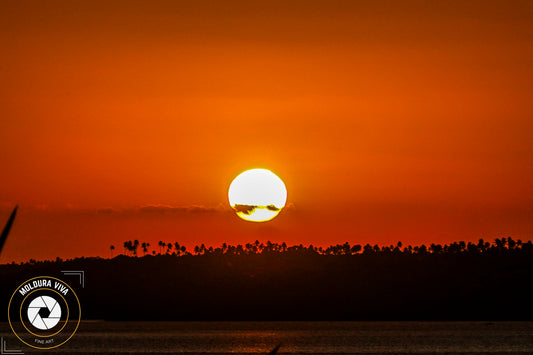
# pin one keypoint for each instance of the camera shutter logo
(44, 312)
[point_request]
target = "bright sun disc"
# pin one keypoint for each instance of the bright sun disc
(257, 195)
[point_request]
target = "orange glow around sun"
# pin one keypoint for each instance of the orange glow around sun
(386, 122)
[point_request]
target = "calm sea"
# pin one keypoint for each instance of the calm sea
(295, 337)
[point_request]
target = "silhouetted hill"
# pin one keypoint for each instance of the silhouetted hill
(453, 282)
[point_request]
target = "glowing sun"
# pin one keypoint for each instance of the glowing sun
(257, 195)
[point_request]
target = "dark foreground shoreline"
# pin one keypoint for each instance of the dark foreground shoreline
(102, 337)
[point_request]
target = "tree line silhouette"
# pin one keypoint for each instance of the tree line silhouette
(499, 245)
(131, 246)
(273, 281)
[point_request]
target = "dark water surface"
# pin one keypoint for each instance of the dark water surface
(102, 337)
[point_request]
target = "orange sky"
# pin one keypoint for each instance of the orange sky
(387, 121)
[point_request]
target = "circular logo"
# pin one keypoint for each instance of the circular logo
(44, 312)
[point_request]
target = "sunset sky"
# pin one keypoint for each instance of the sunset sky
(387, 121)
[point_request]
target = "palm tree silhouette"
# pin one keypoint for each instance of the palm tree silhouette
(127, 247)
(145, 247)
(135, 246)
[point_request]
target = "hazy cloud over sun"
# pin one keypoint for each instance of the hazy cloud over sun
(165, 209)
(248, 209)
(179, 209)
